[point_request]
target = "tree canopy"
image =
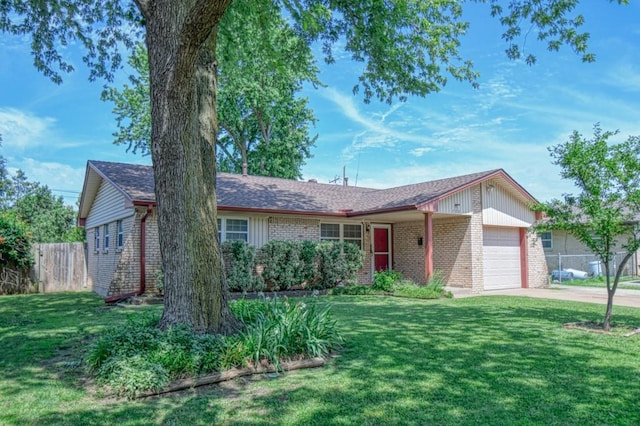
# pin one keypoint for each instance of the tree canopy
(407, 48)
(44, 215)
(605, 214)
(262, 65)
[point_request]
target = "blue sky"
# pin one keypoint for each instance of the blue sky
(50, 131)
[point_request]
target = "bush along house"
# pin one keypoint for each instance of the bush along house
(473, 228)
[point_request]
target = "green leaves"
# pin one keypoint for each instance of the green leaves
(15, 241)
(607, 207)
(101, 27)
(605, 214)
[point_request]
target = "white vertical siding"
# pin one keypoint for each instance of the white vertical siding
(500, 208)
(458, 203)
(258, 231)
(109, 205)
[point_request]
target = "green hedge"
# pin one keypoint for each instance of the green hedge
(291, 264)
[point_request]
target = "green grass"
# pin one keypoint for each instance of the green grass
(628, 283)
(488, 360)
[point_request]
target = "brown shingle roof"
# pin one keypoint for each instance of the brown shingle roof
(275, 194)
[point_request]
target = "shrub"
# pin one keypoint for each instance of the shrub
(242, 259)
(318, 265)
(15, 241)
(138, 356)
(285, 329)
(283, 264)
(434, 288)
(308, 258)
(158, 274)
(338, 262)
(386, 280)
(133, 375)
(410, 289)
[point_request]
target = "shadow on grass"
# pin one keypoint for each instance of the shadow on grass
(490, 360)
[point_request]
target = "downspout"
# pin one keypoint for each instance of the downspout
(143, 250)
(143, 261)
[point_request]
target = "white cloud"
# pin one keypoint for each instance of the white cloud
(625, 76)
(419, 152)
(22, 130)
(54, 175)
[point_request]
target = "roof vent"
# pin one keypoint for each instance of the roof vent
(313, 180)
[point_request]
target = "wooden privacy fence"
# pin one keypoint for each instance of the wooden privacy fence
(59, 267)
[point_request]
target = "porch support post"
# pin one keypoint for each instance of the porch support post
(524, 259)
(428, 246)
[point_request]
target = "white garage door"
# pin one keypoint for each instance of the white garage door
(501, 252)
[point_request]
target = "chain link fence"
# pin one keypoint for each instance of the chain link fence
(588, 263)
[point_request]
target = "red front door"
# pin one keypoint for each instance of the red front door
(381, 249)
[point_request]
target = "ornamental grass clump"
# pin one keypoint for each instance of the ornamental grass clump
(139, 357)
(287, 330)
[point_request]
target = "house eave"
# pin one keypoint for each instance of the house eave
(280, 211)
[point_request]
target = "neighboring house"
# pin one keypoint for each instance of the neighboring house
(563, 251)
(472, 228)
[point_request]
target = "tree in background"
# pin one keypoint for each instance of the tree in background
(45, 216)
(264, 125)
(262, 65)
(407, 48)
(5, 181)
(48, 218)
(605, 215)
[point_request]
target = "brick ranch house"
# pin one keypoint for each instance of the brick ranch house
(472, 228)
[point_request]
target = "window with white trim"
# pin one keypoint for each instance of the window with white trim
(347, 232)
(106, 237)
(96, 239)
(119, 235)
(547, 239)
(233, 229)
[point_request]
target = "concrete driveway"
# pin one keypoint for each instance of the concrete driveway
(623, 297)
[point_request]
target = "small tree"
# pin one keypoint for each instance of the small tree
(15, 241)
(605, 215)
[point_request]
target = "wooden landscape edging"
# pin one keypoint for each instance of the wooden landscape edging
(179, 385)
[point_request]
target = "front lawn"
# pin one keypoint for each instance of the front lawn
(625, 283)
(486, 360)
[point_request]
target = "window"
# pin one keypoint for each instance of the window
(547, 240)
(106, 237)
(96, 239)
(120, 235)
(233, 230)
(349, 233)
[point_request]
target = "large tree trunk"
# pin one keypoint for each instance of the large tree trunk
(181, 38)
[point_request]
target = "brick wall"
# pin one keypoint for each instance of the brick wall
(302, 228)
(292, 228)
(536, 262)
(364, 274)
(452, 250)
(115, 271)
(102, 263)
(408, 255)
(126, 276)
(477, 259)
(152, 252)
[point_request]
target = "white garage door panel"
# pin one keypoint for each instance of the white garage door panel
(501, 254)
